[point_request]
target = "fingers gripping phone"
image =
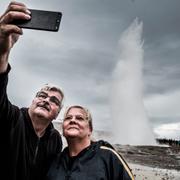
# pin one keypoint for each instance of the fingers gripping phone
(41, 20)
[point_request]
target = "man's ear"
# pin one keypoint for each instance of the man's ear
(56, 115)
(58, 112)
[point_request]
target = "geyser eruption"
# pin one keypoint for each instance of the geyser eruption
(130, 122)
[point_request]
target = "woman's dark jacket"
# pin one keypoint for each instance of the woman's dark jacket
(23, 155)
(97, 162)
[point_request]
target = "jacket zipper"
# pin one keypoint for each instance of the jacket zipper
(36, 151)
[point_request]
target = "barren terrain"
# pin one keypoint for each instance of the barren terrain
(152, 162)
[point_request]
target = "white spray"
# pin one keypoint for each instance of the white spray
(130, 122)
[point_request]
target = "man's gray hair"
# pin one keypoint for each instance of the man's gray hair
(53, 87)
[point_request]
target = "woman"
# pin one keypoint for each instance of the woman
(84, 159)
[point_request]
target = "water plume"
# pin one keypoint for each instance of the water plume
(130, 122)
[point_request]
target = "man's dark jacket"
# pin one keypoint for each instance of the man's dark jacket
(99, 161)
(23, 155)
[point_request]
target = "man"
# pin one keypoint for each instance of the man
(29, 141)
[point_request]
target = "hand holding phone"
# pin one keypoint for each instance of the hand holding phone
(41, 20)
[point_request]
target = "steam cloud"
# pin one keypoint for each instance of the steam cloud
(130, 122)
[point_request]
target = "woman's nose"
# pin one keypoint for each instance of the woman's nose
(73, 120)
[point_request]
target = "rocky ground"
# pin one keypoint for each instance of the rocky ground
(152, 156)
(152, 162)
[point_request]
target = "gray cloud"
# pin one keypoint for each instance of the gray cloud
(81, 56)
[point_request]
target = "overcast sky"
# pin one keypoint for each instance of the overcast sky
(82, 56)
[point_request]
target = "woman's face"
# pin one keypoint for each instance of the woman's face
(76, 125)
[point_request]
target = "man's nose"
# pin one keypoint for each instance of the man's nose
(47, 99)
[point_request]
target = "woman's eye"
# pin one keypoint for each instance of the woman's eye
(80, 118)
(67, 118)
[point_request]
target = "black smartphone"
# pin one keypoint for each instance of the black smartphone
(41, 20)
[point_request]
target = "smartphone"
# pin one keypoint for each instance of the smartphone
(41, 20)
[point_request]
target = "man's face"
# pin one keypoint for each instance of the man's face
(46, 104)
(76, 125)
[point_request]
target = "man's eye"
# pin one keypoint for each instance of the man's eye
(42, 96)
(55, 100)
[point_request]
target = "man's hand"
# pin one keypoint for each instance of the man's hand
(9, 33)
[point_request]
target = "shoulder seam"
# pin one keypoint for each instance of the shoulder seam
(121, 160)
